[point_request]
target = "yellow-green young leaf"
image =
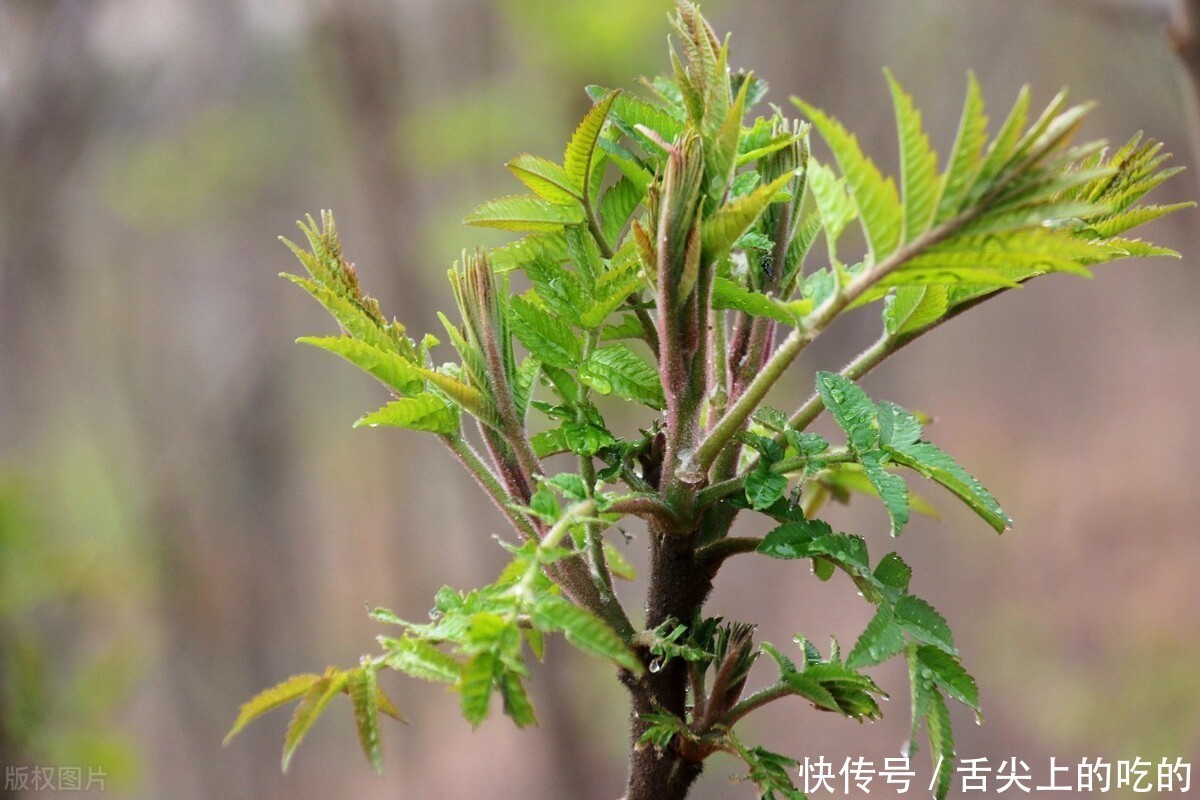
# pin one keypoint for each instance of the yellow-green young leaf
(728, 295)
(614, 287)
(550, 247)
(941, 743)
(720, 231)
(967, 156)
(918, 164)
(392, 369)
(516, 700)
(1119, 223)
(423, 412)
(280, 694)
(475, 687)
(420, 659)
(386, 706)
(618, 370)
(364, 698)
(913, 307)
(1140, 249)
(309, 709)
(617, 206)
(811, 690)
(584, 630)
(544, 178)
(577, 160)
(467, 397)
(875, 197)
(548, 338)
(353, 318)
(835, 208)
(1000, 152)
(721, 156)
(618, 564)
(525, 212)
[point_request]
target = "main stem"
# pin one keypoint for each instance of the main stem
(679, 585)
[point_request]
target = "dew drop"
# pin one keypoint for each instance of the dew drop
(656, 665)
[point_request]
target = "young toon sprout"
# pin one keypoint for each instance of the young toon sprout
(674, 262)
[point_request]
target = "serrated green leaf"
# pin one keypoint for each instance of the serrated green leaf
(524, 212)
(891, 490)
(618, 564)
(966, 157)
(350, 314)
(849, 477)
(811, 690)
(584, 630)
(933, 463)
(364, 698)
(914, 307)
(629, 113)
(475, 686)
(577, 159)
(422, 412)
(894, 572)
(516, 700)
(617, 206)
(793, 539)
(1133, 217)
(918, 164)
(386, 706)
(558, 288)
(550, 247)
(545, 178)
(280, 694)
(941, 743)
(727, 294)
(720, 155)
(1000, 151)
(881, 640)
(948, 673)
(309, 709)
(875, 197)
(897, 426)
(835, 207)
(851, 408)
(548, 338)
(924, 623)
(1140, 249)
(616, 369)
(719, 232)
(420, 659)
(763, 486)
(390, 368)
(613, 291)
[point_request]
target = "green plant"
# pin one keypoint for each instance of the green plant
(672, 263)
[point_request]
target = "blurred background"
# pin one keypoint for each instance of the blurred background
(186, 515)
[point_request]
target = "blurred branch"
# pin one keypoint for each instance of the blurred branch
(1184, 35)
